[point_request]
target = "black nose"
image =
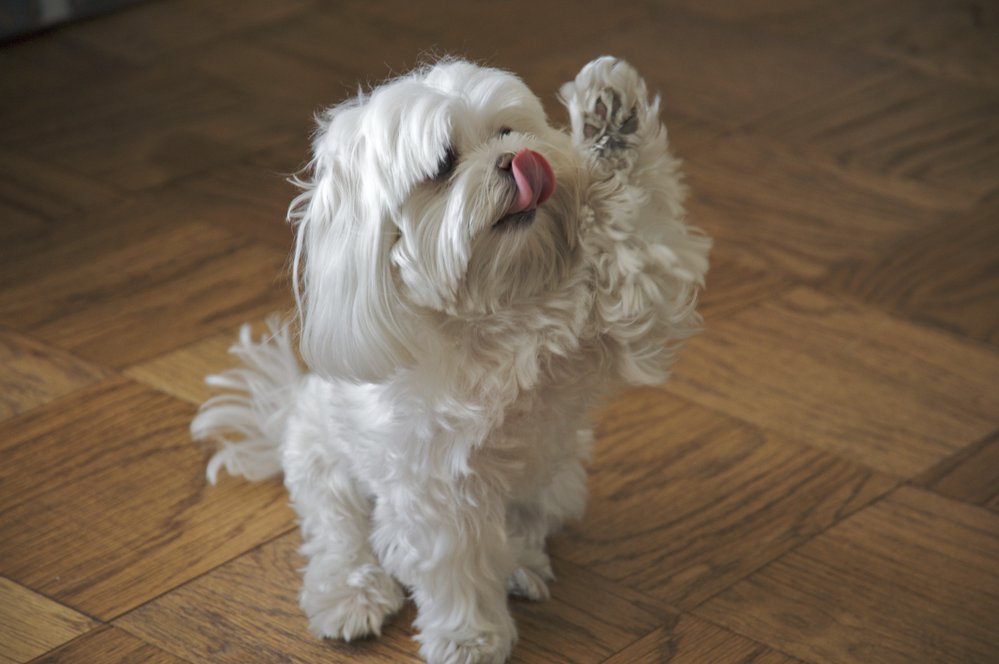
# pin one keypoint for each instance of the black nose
(504, 161)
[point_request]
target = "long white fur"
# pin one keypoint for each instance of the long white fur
(439, 438)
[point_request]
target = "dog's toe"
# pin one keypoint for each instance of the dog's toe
(352, 607)
(529, 584)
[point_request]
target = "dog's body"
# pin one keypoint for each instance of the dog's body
(472, 280)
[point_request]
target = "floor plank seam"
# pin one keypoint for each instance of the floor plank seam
(116, 619)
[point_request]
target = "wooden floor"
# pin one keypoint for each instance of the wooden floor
(820, 480)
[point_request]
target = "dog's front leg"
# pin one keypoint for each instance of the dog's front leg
(447, 542)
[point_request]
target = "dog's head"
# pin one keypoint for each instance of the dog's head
(441, 195)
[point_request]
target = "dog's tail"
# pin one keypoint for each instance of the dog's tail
(247, 422)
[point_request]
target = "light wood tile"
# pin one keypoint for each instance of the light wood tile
(182, 373)
(910, 579)
(34, 374)
(849, 380)
(946, 276)
(108, 646)
(684, 501)
(693, 641)
(115, 493)
(31, 624)
(971, 475)
(144, 291)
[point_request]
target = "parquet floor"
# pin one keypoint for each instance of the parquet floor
(819, 482)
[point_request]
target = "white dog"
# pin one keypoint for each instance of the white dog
(469, 280)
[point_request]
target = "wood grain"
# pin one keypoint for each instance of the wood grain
(166, 123)
(108, 646)
(33, 194)
(801, 213)
(910, 579)
(693, 641)
(688, 501)
(31, 625)
(962, 294)
(970, 475)
(182, 373)
(715, 71)
(34, 373)
(848, 380)
(147, 290)
(901, 125)
(115, 494)
(844, 154)
(950, 39)
(247, 611)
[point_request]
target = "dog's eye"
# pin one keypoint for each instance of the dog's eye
(447, 164)
(504, 131)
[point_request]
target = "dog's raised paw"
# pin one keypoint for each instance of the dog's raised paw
(608, 107)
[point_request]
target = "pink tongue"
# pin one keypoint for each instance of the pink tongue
(535, 180)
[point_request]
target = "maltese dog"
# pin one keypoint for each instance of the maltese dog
(470, 281)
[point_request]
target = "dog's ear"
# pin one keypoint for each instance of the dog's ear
(354, 324)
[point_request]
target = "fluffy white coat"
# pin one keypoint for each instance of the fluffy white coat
(455, 349)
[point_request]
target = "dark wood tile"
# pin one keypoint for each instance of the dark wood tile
(903, 125)
(714, 70)
(116, 498)
(971, 475)
(955, 40)
(910, 579)
(684, 501)
(34, 373)
(31, 625)
(849, 380)
(166, 122)
(799, 213)
(108, 646)
(693, 641)
(587, 618)
(250, 197)
(35, 195)
(946, 276)
(133, 291)
(157, 31)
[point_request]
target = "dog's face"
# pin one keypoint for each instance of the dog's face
(441, 194)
